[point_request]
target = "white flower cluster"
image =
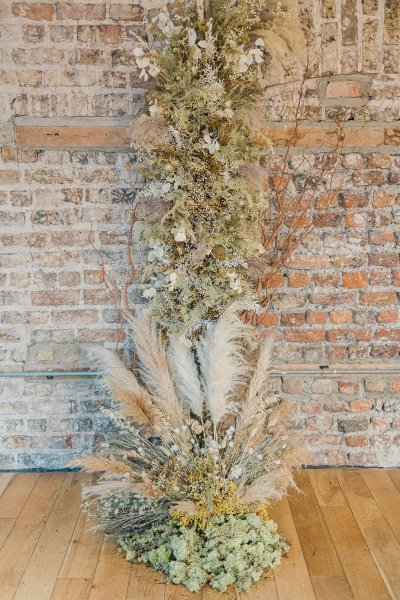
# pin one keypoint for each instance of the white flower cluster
(147, 65)
(247, 58)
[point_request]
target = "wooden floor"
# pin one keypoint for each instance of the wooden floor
(344, 529)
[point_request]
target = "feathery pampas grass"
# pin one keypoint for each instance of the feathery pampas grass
(203, 437)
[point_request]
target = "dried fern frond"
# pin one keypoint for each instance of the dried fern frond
(143, 412)
(134, 400)
(256, 402)
(185, 375)
(282, 32)
(265, 487)
(154, 370)
(222, 363)
(101, 464)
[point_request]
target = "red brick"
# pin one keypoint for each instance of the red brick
(316, 317)
(385, 350)
(353, 161)
(102, 335)
(379, 298)
(380, 278)
(379, 238)
(35, 11)
(77, 12)
(388, 334)
(69, 278)
(267, 319)
(306, 336)
(293, 385)
(9, 154)
(350, 200)
(311, 409)
(396, 386)
(126, 12)
(298, 280)
(305, 262)
(341, 316)
(379, 161)
(327, 200)
(370, 178)
(360, 405)
(277, 281)
(87, 56)
(97, 297)
(75, 317)
(334, 298)
(328, 219)
(375, 385)
(55, 298)
(343, 89)
(355, 219)
(384, 259)
(8, 177)
(292, 319)
(388, 316)
(111, 34)
(354, 280)
(354, 441)
(383, 198)
(93, 277)
(327, 280)
(348, 387)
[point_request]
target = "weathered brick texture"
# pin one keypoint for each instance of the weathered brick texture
(69, 86)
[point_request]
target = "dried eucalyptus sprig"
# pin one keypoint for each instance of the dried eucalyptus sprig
(199, 153)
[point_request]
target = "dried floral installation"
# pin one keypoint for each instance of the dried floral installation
(201, 446)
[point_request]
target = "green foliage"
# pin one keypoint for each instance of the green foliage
(231, 550)
(205, 63)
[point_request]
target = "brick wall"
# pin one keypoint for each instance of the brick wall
(69, 87)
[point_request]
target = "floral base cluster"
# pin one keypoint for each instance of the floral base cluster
(232, 549)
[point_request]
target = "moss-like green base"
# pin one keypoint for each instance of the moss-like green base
(231, 550)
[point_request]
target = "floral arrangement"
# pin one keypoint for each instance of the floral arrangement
(201, 447)
(199, 142)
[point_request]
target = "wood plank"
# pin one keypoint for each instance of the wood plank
(380, 539)
(83, 552)
(21, 541)
(331, 588)
(315, 540)
(395, 477)
(326, 487)
(44, 566)
(386, 495)
(360, 569)
(265, 589)
(145, 584)
(71, 589)
(112, 575)
(16, 494)
(5, 527)
(5, 479)
(210, 594)
(180, 592)
(291, 576)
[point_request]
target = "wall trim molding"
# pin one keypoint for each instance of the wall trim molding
(112, 134)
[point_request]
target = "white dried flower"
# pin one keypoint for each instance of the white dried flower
(180, 234)
(211, 144)
(149, 293)
(192, 37)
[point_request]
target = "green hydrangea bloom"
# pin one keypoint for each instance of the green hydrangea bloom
(233, 549)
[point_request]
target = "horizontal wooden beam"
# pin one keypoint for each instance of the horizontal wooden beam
(114, 134)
